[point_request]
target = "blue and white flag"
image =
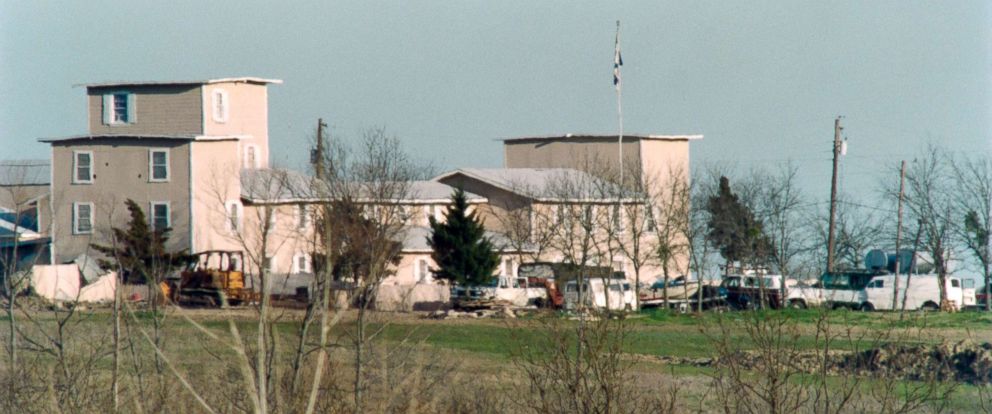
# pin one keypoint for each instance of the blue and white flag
(617, 61)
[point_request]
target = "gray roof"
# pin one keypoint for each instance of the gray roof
(434, 192)
(614, 137)
(177, 137)
(286, 186)
(246, 79)
(25, 172)
(543, 184)
(277, 186)
(415, 240)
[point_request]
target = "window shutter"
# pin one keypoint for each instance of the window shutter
(130, 109)
(108, 108)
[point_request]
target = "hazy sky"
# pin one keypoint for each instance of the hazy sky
(762, 81)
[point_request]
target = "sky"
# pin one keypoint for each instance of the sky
(761, 80)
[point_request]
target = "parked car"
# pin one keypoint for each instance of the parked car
(746, 291)
(600, 293)
(836, 289)
(923, 292)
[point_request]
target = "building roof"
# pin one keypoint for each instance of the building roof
(415, 241)
(543, 184)
(177, 137)
(277, 186)
(614, 137)
(246, 79)
(25, 172)
(433, 192)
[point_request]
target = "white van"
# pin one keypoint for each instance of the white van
(600, 293)
(923, 292)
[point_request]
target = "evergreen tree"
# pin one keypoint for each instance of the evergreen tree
(140, 251)
(462, 252)
(733, 229)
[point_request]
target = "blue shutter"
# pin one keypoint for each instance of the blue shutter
(130, 109)
(108, 109)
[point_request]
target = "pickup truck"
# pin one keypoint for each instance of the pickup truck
(516, 291)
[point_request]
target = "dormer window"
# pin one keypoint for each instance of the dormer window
(251, 156)
(118, 108)
(220, 105)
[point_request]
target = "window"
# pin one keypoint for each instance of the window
(160, 216)
(118, 108)
(422, 273)
(220, 105)
(508, 266)
(615, 219)
(955, 283)
(649, 223)
(302, 216)
(233, 216)
(301, 263)
(269, 264)
(405, 214)
(82, 166)
(82, 218)
(270, 212)
(588, 213)
(158, 165)
(251, 156)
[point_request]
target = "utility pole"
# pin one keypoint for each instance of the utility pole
(317, 156)
(902, 189)
(833, 197)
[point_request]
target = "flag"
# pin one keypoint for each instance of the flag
(617, 61)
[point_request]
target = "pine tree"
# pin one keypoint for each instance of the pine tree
(462, 252)
(733, 229)
(140, 250)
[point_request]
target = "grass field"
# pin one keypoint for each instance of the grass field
(489, 351)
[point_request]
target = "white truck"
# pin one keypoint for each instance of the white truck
(514, 290)
(836, 290)
(923, 292)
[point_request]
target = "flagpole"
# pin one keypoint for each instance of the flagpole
(617, 63)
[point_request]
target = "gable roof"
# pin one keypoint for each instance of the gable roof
(245, 79)
(277, 186)
(25, 172)
(543, 184)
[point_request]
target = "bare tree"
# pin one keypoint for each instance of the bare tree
(367, 187)
(780, 205)
(973, 188)
(928, 199)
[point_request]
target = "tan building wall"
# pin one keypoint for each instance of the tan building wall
(579, 153)
(500, 203)
(158, 110)
(120, 171)
(216, 182)
(247, 115)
